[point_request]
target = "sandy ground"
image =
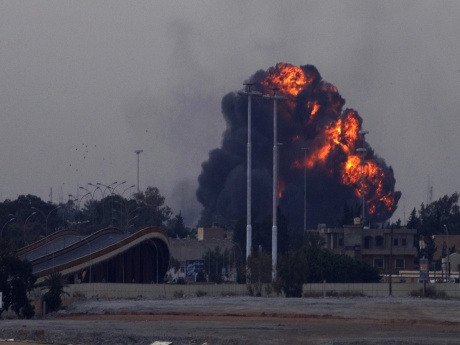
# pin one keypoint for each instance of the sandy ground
(247, 320)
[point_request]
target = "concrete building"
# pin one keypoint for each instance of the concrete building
(192, 249)
(442, 242)
(381, 248)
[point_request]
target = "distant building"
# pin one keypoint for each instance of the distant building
(444, 241)
(213, 233)
(378, 247)
(190, 249)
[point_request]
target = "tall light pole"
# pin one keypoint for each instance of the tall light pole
(275, 98)
(305, 190)
(25, 222)
(363, 151)
(8, 222)
(112, 188)
(46, 216)
(46, 225)
(249, 93)
(138, 152)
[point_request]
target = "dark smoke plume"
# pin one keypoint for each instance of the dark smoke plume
(312, 117)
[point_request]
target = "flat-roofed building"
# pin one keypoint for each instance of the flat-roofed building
(381, 248)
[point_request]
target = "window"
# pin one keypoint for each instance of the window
(378, 263)
(404, 242)
(340, 241)
(395, 242)
(399, 263)
(367, 242)
(379, 241)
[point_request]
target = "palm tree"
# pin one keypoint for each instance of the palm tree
(55, 283)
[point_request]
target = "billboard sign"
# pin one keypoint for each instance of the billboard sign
(424, 270)
(193, 268)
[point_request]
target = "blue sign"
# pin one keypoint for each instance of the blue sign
(424, 270)
(193, 268)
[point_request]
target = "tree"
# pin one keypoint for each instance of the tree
(293, 273)
(259, 272)
(55, 283)
(432, 219)
(176, 227)
(214, 262)
(16, 281)
(153, 210)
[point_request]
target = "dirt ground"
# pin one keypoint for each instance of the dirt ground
(246, 320)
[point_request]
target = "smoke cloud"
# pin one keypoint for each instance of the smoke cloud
(319, 143)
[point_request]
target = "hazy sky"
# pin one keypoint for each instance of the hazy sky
(85, 83)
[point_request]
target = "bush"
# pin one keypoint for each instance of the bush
(430, 292)
(16, 281)
(200, 293)
(179, 294)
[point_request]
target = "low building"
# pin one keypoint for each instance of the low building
(187, 250)
(442, 242)
(384, 249)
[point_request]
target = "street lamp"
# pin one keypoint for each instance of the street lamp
(25, 222)
(236, 245)
(4, 225)
(138, 152)
(46, 221)
(249, 93)
(46, 216)
(111, 188)
(156, 251)
(90, 258)
(275, 98)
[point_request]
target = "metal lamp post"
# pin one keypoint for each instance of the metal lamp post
(138, 152)
(25, 222)
(249, 93)
(275, 98)
(8, 222)
(46, 216)
(46, 223)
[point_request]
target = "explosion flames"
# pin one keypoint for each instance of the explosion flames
(311, 118)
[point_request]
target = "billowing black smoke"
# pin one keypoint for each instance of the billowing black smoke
(304, 120)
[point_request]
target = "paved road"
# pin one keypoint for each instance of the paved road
(246, 320)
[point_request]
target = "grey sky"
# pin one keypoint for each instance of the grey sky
(85, 83)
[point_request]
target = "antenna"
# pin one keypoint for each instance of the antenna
(429, 191)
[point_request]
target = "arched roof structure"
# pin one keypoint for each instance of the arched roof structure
(108, 255)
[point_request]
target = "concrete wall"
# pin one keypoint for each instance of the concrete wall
(108, 290)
